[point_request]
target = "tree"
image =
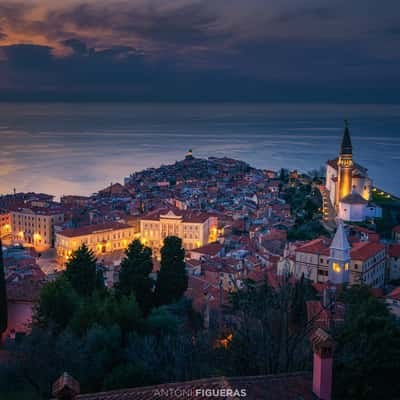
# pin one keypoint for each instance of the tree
(172, 280)
(368, 352)
(269, 329)
(58, 302)
(82, 272)
(3, 295)
(134, 275)
(107, 311)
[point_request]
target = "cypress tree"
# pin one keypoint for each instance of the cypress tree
(172, 280)
(82, 273)
(134, 275)
(3, 295)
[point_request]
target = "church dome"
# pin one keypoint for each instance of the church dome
(353, 198)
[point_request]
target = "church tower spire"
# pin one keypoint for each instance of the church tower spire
(345, 166)
(346, 147)
(339, 257)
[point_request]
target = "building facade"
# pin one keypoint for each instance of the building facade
(394, 261)
(34, 226)
(194, 228)
(5, 223)
(322, 260)
(348, 186)
(101, 238)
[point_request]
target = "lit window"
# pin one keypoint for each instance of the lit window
(336, 267)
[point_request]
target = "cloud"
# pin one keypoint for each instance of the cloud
(180, 49)
(24, 56)
(78, 46)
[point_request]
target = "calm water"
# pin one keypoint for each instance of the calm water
(80, 148)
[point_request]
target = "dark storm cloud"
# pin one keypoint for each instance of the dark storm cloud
(26, 56)
(315, 13)
(188, 24)
(78, 46)
(196, 49)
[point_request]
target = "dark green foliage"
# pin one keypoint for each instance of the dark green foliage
(134, 275)
(81, 271)
(107, 311)
(269, 328)
(367, 360)
(172, 279)
(306, 203)
(303, 230)
(57, 303)
(3, 295)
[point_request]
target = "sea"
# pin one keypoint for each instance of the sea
(80, 148)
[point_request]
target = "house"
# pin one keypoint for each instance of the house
(209, 250)
(366, 261)
(396, 233)
(393, 301)
(394, 261)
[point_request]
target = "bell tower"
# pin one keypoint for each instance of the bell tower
(345, 166)
(339, 257)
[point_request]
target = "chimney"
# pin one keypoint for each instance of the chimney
(66, 387)
(323, 348)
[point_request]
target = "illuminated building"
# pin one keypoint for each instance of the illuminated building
(5, 223)
(194, 228)
(339, 258)
(322, 260)
(101, 238)
(34, 226)
(348, 187)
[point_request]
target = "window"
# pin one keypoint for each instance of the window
(336, 267)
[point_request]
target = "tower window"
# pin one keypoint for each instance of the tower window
(336, 267)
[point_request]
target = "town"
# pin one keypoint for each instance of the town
(237, 224)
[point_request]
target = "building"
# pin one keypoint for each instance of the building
(393, 301)
(34, 225)
(194, 228)
(322, 260)
(394, 261)
(348, 186)
(396, 233)
(339, 258)
(101, 238)
(5, 223)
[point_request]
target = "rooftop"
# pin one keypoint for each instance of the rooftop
(90, 229)
(291, 386)
(394, 250)
(353, 198)
(365, 250)
(186, 216)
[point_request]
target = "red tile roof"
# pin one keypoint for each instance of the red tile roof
(211, 249)
(89, 229)
(364, 251)
(316, 246)
(394, 294)
(394, 250)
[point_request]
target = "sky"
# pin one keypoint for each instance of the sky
(337, 51)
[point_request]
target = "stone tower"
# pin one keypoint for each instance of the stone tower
(339, 258)
(345, 167)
